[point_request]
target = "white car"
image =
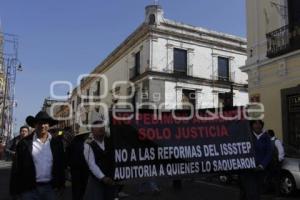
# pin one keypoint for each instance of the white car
(290, 176)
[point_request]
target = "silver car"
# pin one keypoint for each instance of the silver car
(290, 176)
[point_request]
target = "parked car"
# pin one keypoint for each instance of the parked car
(290, 176)
(289, 180)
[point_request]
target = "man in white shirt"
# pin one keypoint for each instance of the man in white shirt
(278, 145)
(98, 154)
(38, 169)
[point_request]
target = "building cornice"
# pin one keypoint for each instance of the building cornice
(202, 31)
(191, 80)
(269, 61)
(199, 39)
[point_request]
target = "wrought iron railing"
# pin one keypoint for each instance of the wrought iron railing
(283, 40)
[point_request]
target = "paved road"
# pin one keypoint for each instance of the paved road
(192, 190)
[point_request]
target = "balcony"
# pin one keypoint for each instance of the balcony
(282, 41)
(230, 78)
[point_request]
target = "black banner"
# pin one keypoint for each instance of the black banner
(180, 143)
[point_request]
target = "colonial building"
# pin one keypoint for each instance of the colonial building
(273, 64)
(53, 106)
(168, 63)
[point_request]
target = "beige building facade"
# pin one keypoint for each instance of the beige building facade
(273, 64)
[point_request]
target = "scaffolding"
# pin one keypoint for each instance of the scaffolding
(9, 64)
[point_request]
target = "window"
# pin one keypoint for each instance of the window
(86, 118)
(223, 69)
(78, 100)
(180, 61)
(152, 19)
(137, 63)
(294, 13)
(87, 94)
(97, 92)
(188, 96)
(225, 99)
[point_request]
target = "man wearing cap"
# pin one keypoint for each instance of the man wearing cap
(99, 156)
(252, 180)
(38, 167)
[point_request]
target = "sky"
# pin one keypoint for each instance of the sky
(61, 39)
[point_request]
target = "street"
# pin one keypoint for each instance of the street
(191, 190)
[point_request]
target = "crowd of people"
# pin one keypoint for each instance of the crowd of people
(41, 159)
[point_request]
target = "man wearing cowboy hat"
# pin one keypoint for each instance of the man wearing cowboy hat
(38, 168)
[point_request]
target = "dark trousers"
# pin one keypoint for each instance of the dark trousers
(79, 182)
(273, 178)
(97, 190)
(251, 185)
(44, 192)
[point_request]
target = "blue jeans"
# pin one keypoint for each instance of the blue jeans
(42, 192)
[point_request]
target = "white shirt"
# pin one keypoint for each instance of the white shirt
(258, 135)
(280, 148)
(90, 159)
(42, 158)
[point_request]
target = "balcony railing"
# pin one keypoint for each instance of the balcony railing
(282, 40)
(230, 78)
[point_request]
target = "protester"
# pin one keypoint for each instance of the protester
(273, 175)
(252, 180)
(98, 154)
(24, 131)
(76, 162)
(38, 168)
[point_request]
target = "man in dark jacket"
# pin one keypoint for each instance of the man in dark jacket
(252, 181)
(38, 166)
(78, 165)
(24, 131)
